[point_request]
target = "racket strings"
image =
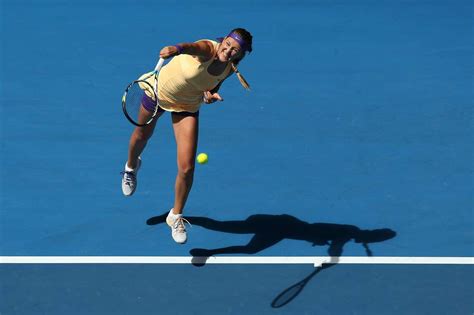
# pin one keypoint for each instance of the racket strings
(139, 97)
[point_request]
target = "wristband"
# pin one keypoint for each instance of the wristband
(179, 48)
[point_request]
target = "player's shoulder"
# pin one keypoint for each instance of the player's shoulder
(210, 41)
(211, 48)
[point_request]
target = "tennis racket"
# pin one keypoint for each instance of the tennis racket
(140, 99)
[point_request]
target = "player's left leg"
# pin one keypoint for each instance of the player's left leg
(185, 126)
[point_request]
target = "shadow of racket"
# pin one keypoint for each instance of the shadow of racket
(292, 292)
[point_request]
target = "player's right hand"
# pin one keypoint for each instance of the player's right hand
(168, 52)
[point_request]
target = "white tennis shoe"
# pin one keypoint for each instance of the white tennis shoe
(129, 179)
(178, 230)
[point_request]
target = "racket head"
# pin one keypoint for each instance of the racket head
(139, 103)
(292, 292)
(288, 295)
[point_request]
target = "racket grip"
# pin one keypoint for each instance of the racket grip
(159, 64)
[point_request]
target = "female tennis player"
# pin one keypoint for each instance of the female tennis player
(193, 76)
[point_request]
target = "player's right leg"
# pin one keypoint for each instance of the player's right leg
(137, 144)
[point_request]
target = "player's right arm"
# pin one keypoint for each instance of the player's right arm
(204, 50)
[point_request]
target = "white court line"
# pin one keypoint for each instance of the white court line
(316, 260)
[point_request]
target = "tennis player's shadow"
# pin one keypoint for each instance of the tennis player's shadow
(269, 230)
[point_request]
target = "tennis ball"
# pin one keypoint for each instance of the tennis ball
(202, 158)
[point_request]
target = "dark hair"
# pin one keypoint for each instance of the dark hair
(246, 36)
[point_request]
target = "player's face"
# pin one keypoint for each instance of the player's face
(229, 50)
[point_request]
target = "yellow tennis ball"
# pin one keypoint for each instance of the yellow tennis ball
(202, 158)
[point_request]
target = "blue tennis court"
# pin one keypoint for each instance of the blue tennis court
(356, 140)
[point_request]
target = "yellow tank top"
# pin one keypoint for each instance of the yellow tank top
(183, 80)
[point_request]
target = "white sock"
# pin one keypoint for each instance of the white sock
(128, 169)
(175, 216)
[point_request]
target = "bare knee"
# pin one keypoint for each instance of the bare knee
(142, 134)
(186, 170)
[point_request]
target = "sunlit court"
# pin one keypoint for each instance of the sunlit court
(281, 157)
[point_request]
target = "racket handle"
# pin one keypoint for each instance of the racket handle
(159, 64)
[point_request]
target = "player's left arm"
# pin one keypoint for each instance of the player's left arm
(213, 95)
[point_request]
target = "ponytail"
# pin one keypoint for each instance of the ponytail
(241, 78)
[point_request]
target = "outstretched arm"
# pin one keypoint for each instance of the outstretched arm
(204, 50)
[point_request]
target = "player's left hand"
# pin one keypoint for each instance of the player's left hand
(211, 97)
